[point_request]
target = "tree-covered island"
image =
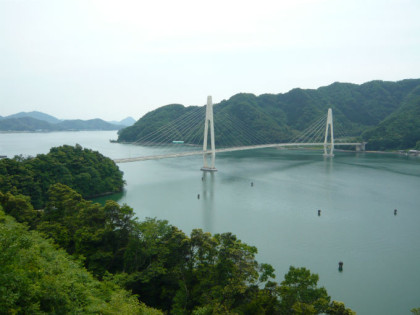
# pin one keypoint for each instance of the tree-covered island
(87, 171)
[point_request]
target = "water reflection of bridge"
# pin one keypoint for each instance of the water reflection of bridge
(208, 200)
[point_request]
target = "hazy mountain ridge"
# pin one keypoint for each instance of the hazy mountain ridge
(38, 121)
(25, 124)
(36, 115)
(367, 111)
(129, 121)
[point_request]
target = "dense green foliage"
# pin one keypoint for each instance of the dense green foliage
(386, 113)
(86, 171)
(401, 129)
(38, 278)
(180, 274)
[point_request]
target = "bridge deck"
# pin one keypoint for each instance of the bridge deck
(243, 148)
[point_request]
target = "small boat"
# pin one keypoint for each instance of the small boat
(178, 142)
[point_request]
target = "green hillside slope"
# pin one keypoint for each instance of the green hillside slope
(401, 129)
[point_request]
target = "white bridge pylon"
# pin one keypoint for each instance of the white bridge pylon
(209, 123)
(329, 126)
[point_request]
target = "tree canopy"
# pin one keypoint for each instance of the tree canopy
(38, 278)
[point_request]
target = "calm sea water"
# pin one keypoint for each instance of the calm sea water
(356, 193)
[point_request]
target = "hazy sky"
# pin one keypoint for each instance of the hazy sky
(113, 59)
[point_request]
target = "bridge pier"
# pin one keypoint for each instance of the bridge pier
(361, 147)
(329, 126)
(209, 123)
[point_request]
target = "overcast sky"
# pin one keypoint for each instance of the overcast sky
(112, 59)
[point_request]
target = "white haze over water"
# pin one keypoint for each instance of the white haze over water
(112, 59)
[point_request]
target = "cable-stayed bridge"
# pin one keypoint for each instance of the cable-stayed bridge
(237, 136)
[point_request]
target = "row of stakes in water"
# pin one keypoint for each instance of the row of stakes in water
(395, 212)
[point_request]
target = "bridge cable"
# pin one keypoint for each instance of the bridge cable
(305, 134)
(163, 135)
(308, 132)
(168, 127)
(245, 135)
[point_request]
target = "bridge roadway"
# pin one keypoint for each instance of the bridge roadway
(250, 147)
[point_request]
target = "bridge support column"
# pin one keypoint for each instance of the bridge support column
(329, 126)
(361, 147)
(212, 152)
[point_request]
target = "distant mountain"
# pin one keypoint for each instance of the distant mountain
(25, 124)
(33, 124)
(91, 124)
(129, 121)
(36, 115)
(69, 124)
(385, 114)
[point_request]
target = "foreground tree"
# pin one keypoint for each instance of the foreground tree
(19, 206)
(299, 294)
(220, 273)
(37, 278)
(338, 308)
(98, 233)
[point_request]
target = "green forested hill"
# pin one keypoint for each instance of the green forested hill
(401, 129)
(369, 110)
